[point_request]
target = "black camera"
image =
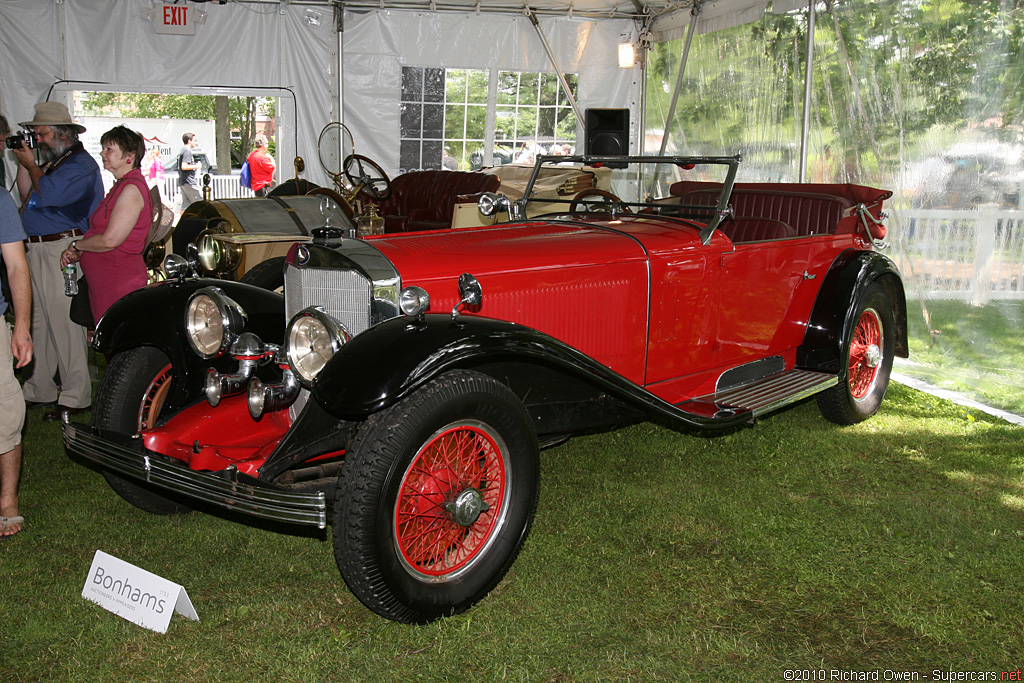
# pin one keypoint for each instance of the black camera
(25, 137)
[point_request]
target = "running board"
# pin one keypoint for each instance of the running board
(762, 395)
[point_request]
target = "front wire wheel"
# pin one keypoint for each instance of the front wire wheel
(130, 398)
(436, 498)
(869, 351)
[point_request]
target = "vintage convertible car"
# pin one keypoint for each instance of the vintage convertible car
(402, 387)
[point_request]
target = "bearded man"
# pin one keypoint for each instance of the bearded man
(58, 195)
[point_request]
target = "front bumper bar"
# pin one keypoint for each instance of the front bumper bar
(228, 488)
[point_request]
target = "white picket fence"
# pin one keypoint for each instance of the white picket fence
(974, 255)
(221, 187)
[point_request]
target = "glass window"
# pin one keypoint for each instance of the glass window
(444, 117)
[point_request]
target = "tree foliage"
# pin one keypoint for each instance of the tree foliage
(887, 73)
(242, 111)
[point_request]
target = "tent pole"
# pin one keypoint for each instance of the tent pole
(561, 77)
(679, 77)
(694, 11)
(808, 75)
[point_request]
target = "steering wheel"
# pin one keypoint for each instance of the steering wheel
(606, 203)
(341, 201)
(370, 179)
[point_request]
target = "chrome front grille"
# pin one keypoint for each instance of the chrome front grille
(344, 294)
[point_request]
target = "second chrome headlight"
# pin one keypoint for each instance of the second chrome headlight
(313, 339)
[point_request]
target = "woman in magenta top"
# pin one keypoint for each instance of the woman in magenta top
(111, 251)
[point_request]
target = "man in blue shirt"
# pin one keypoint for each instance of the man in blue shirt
(58, 196)
(17, 345)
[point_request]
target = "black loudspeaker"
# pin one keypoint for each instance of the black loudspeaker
(607, 132)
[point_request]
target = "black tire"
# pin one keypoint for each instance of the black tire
(129, 398)
(393, 486)
(868, 351)
(267, 274)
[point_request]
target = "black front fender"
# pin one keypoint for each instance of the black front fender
(155, 316)
(389, 361)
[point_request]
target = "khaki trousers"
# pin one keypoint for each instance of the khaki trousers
(59, 343)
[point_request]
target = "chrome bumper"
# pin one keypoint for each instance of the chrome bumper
(227, 489)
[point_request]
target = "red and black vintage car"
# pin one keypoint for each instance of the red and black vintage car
(402, 387)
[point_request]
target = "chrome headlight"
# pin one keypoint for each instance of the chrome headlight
(217, 256)
(491, 203)
(210, 256)
(313, 339)
(213, 321)
(414, 301)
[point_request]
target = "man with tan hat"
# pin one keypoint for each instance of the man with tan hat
(58, 195)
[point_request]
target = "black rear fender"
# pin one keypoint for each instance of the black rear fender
(831, 318)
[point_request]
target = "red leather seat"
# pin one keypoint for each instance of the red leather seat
(425, 200)
(756, 229)
(809, 213)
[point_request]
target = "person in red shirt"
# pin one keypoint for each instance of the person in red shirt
(261, 167)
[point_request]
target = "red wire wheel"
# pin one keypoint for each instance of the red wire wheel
(869, 352)
(865, 354)
(131, 397)
(436, 497)
(153, 398)
(451, 500)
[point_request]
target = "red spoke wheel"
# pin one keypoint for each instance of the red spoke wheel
(865, 354)
(451, 500)
(436, 498)
(130, 398)
(868, 350)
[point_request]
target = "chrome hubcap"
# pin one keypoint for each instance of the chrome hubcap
(467, 507)
(872, 356)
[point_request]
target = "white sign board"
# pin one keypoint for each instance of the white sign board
(174, 19)
(135, 594)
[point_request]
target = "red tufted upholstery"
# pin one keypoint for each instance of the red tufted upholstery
(425, 200)
(756, 229)
(809, 213)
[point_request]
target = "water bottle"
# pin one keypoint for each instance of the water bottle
(70, 279)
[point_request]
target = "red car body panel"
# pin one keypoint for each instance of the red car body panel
(562, 292)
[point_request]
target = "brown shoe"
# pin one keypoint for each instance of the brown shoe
(55, 413)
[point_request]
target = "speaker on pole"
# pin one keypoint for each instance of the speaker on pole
(607, 132)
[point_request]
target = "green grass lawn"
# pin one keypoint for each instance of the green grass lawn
(897, 544)
(975, 350)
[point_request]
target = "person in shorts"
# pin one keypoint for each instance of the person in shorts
(15, 347)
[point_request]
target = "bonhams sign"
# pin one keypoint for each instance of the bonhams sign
(175, 19)
(135, 594)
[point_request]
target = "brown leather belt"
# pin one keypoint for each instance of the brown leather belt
(55, 236)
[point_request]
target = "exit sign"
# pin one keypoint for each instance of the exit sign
(175, 19)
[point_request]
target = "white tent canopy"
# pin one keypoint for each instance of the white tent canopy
(328, 60)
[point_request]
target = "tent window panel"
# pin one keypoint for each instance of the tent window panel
(412, 84)
(476, 122)
(454, 122)
(433, 85)
(412, 120)
(456, 81)
(409, 154)
(432, 152)
(444, 117)
(433, 121)
(508, 87)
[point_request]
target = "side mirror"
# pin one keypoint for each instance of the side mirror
(470, 291)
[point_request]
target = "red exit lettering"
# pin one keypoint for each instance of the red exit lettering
(175, 16)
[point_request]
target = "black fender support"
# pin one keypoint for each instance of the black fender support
(832, 316)
(155, 316)
(389, 361)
